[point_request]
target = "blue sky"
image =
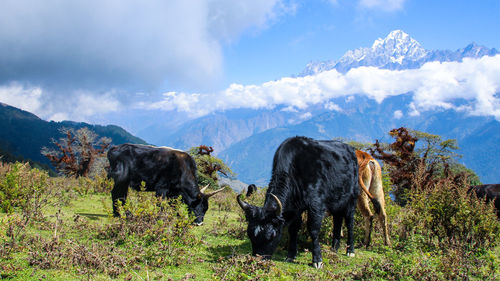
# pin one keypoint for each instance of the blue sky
(90, 60)
(322, 30)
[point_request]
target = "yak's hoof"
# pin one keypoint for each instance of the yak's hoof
(318, 265)
(198, 223)
(350, 254)
(289, 259)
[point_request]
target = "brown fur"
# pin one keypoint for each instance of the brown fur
(370, 180)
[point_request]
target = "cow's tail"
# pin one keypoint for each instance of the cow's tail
(375, 202)
(367, 163)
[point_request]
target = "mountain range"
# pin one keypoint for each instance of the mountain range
(246, 139)
(397, 51)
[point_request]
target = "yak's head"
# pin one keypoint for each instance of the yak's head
(265, 226)
(200, 206)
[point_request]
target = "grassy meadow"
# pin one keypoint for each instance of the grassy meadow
(62, 229)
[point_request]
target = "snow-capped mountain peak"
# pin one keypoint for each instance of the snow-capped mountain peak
(397, 50)
(398, 46)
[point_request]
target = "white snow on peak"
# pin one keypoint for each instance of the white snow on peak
(394, 48)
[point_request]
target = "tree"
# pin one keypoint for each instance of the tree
(78, 152)
(208, 166)
(411, 166)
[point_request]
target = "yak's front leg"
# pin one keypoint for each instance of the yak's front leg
(119, 193)
(314, 219)
(293, 230)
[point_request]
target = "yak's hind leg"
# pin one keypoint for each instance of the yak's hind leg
(349, 219)
(337, 229)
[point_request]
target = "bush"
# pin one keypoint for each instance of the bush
(98, 184)
(158, 229)
(243, 267)
(445, 216)
(24, 188)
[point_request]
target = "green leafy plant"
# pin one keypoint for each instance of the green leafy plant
(208, 166)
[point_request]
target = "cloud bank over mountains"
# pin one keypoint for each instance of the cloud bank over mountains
(474, 84)
(471, 86)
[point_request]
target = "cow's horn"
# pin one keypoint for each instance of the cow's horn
(208, 195)
(280, 207)
(244, 205)
(204, 188)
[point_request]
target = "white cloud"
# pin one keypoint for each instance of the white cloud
(305, 116)
(84, 104)
(18, 96)
(413, 110)
(116, 43)
(228, 18)
(62, 58)
(398, 114)
(332, 106)
(435, 85)
(384, 5)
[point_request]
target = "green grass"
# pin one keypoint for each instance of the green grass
(218, 250)
(215, 247)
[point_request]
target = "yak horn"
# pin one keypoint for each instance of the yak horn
(204, 188)
(280, 207)
(244, 205)
(208, 195)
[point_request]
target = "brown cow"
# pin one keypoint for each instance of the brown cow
(370, 181)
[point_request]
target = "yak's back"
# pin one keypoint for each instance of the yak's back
(316, 168)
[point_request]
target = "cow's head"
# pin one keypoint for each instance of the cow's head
(265, 226)
(200, 206)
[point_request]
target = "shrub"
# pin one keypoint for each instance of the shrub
(24, 188)
(444, 215)
(243, 267)
(11, 192)
(98, 184)
(224, 201)
(158, 229)
(88, 259)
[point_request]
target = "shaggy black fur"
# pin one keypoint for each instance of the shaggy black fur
(308, 175)
(491, 192)
(168, 172)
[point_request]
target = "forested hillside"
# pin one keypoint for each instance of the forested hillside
(23, 134)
